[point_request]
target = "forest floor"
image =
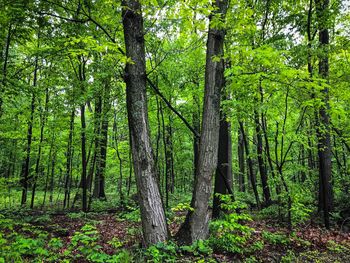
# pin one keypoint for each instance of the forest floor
(116, 231)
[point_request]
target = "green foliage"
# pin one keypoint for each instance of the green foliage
(133, 215)
(289, 257)
(276, 238)
(199, 248)
(301, 211)
(162, 252)
(228, 233)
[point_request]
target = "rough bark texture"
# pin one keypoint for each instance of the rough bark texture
(196, 225)
(153, 219)
(323, 131)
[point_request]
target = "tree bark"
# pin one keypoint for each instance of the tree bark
(69, 156)
(196, 225)
(37, 165)
(26, 166)
(241, 162)
(153, 218)
(250, 165)
(261, 163)
(323, 129)
(4, 67)
(224, 166)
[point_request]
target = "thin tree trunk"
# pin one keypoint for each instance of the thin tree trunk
(97, 151)
(196, 126)
(52, 179)
(83, 157)
(261, 164)
(37, 165)
(115, 137)
(224, 166)
(69, 160)
(250, 165)
(4, 68)
(26, 168)
(241, 162)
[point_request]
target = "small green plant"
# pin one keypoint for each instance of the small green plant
(200, 247)
(228, 233)
(276, 238)
(115, 243)
(336, 247)
(76, 215)
(288, 257)
(300, 211)
(132, 216)
(182, 207)
(162, 252)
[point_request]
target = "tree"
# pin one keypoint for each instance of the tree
(153, 219)
(323, 127)
(196, 225)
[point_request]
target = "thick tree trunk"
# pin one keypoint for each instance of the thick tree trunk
(323, 129)
(153, 218)
(196, 225)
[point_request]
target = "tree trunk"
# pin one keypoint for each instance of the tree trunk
(154, 225)
(224, 167)
(69, 161)
(196, 225)
(115, 138)
(97, 152)
(104, 141)
(261, 164)
(4, 67)
(26, 167)
(241, 162)
(323, 129)
(250, 165)
(83, 157)
(196, 125)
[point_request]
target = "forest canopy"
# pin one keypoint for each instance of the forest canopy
(198, 129)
